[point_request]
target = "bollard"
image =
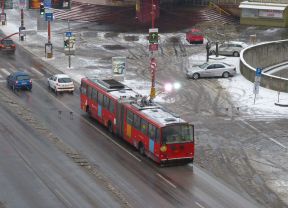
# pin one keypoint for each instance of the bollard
(253, 39)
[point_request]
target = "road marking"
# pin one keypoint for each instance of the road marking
(101, 132)
(5, 71)
(62, 197)
(245, 122)
(36, 71)
(273, 140)
(171, 184)
(198, 204)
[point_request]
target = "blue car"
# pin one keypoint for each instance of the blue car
(19, 80)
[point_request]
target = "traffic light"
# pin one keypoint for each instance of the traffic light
(66, 43)
(42, 9)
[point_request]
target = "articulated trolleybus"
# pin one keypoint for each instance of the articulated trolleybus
(155, 132)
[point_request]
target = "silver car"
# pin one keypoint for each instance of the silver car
(213, 69)
(232, 48)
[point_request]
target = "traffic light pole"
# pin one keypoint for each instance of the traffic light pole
(153, 60)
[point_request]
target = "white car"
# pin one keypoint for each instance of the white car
(231, 48)
(213, 69)
(61, 83)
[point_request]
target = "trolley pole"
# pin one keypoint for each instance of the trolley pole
(153, 60)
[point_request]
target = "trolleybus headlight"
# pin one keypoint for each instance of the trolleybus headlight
(163, 148)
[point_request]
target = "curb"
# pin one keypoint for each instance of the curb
(281, 105)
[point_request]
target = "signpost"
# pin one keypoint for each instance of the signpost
(258, 74)
(153, 39)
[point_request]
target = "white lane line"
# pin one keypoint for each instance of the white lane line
(198, 204)
(245, 122)
(62, 198)
(273, 140)
(11, 65)
(36, 71)
(171, 184)
(87, 122)
(5, 71)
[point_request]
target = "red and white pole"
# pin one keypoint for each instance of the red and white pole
(153, 60)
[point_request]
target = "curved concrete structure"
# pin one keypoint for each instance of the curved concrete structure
(265, 55)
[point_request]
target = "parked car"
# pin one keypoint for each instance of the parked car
(231, 48)
(61, 83)
(19, 80)
(213, 69)
(7, 45)
(194, 36)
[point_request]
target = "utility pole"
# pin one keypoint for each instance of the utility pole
(3, 14)
(69, 56)
(21, 28)
(152, 47)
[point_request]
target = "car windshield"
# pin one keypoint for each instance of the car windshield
(23, 77)
(203, 66)
(177, 133)
(64, 80)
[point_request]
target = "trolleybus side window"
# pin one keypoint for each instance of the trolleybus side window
(83, 87)
(94, 95)
(106, 102)
(136, 122)
(152, 131)
(144, 126)
(100, 98)
(111, 106)
(89, 91)
(129, 117)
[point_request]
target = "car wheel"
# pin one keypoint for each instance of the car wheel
(236, 54)
(225, 74)
(195, 76)
(141, 149)
(49, 88)
(56, 92)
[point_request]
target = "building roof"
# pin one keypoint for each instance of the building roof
(262, 6)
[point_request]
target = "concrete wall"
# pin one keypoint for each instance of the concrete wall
(264, 55)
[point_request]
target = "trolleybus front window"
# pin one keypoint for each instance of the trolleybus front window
(178, 134)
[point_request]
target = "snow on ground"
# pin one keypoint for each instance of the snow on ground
(240, 89)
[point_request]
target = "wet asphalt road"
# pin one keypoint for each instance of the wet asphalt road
(111, 174)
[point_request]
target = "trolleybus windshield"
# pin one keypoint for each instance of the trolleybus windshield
(178, 134)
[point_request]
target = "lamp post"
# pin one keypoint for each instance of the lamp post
(153, 60)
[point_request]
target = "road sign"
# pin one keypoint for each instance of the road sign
(153, 35)
(258, 72)
(47, 4)
(68, 34)
(49, 16)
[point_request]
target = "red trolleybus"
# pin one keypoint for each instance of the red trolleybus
(155, 132)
